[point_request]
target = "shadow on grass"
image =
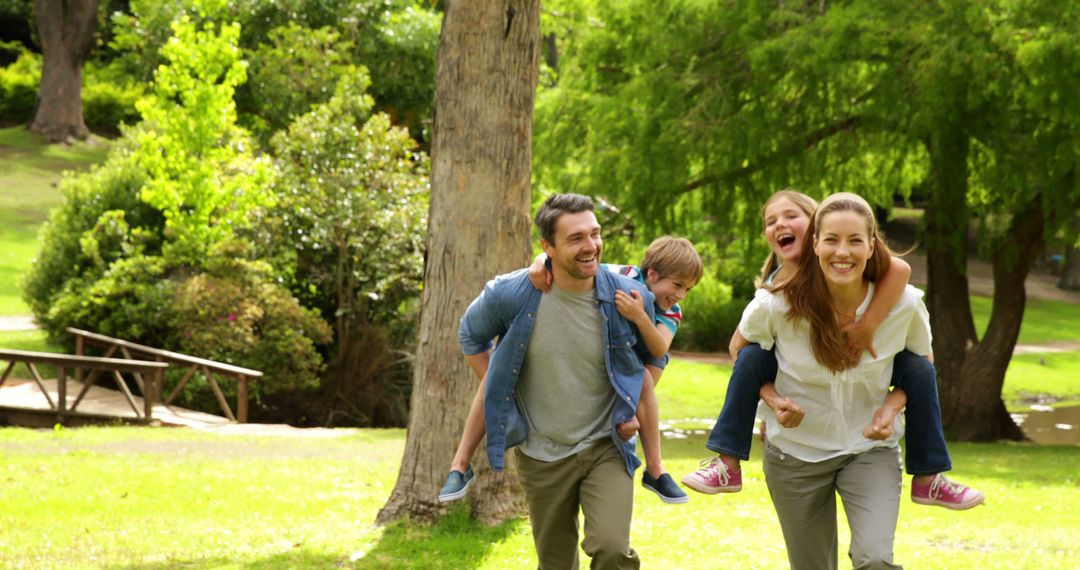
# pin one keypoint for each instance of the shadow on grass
(454, 541)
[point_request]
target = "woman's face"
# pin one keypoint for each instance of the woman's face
(785, 229)
(843, 246)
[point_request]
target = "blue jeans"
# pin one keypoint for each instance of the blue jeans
(925, 449)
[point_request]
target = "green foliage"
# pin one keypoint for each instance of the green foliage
(69, 250)
(296, 69)
(19, 84)
(710, 317)
(108, 95)
(200, 170)
(353, 204)
(233, 312)
(350, 226)
(145, 246)
(395, 39)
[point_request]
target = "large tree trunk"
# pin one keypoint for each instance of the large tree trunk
(66, 29)
(970, 373)
(488, 64)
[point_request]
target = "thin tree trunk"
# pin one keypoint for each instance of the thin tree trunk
(488, 64)
(66, 29)
(1070, 270)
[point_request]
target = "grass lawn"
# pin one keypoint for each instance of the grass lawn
(1044, 321)
(141, 498)
(29, 177)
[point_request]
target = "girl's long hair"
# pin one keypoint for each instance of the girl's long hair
(808, 292)
(804, 203)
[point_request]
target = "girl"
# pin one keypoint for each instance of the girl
(786, 216)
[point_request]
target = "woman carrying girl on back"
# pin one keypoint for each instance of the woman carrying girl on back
(786, 216)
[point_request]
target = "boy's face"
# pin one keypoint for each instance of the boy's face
(668, 290)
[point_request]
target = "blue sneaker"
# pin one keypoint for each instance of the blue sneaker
(457, 484)
(665, 488)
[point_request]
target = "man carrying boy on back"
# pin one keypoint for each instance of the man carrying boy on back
(563, 384)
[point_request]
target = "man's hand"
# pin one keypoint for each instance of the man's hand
(859, 338)
(632, 308)
(539, 275)
(628, 429)
(788, 413)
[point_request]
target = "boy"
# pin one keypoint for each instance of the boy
(670, 268)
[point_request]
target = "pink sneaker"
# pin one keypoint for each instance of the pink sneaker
(945, 493)
(714, 477)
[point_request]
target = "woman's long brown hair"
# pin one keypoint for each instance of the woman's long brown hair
(808, 292)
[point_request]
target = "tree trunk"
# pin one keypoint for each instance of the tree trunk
(488, 65)
(1070, 270)
(66, 29)
(976, 411)
(970, 373)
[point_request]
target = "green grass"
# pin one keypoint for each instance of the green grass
(139, 498)
(30, 172)
(1051, 375)
(1044, 321)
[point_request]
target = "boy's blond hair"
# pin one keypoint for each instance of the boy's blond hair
(674, 258)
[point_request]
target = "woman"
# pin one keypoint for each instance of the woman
(846, 438)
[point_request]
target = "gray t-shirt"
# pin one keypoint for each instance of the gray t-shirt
(564, 391)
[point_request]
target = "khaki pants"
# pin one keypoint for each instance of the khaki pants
(804, 495)
(594, 480)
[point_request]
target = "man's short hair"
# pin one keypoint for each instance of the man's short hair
(556, 205)
(673, 257)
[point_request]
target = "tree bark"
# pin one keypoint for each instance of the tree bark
(488, 65)
(1070, 270)
(66, 29)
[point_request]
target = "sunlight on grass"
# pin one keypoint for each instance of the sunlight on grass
(148, 498)
(1044, 321)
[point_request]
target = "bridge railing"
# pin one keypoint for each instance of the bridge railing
(150, 375)
(209, 368)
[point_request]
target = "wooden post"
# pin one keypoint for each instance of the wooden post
(61, 392)
(80, 349)
(242, 399)
(149, 390)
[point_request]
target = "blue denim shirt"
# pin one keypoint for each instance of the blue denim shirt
(506, 309)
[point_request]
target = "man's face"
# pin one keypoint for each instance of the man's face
(575, 255)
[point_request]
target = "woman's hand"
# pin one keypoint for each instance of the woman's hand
(788, 413)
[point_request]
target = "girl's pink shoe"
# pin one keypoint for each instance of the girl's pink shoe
(942, 492)
(714, 477)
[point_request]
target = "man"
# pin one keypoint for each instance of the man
(563, 384)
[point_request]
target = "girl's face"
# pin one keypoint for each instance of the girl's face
(785, 229)
(843, 246)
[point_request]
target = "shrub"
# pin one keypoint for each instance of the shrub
(145, 247)
(19, 84)
(710, 316)
(352, 199)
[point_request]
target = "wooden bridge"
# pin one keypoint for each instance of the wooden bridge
(39, 401)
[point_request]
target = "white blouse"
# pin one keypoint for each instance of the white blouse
(840, 405)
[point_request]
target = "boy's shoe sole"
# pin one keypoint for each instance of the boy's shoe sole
(701, 488)
(665, 498)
